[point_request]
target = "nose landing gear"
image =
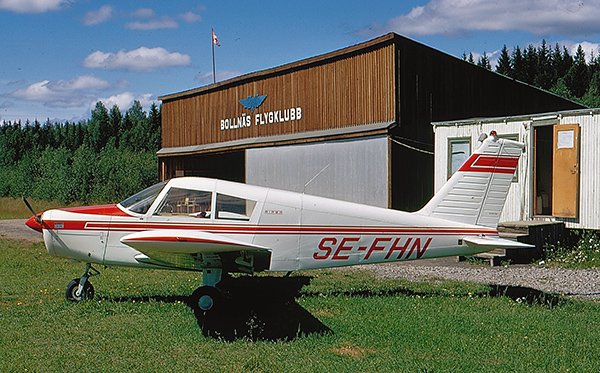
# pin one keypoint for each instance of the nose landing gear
(80, 288)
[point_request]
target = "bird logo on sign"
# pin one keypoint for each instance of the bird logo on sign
(253, 102)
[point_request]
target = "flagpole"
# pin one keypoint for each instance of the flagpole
(212, 42)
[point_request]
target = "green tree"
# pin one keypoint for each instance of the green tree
(518, 63)
(543, 76)
(115, 118)
(484, 62)
(98, 127)
(577, 78)
(504, 65)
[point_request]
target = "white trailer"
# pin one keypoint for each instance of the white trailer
(558, 177)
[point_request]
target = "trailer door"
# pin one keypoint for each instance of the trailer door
(565, 173)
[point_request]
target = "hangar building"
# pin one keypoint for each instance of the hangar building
(353, 124)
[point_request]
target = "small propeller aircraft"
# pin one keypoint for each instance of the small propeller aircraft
(213, 226)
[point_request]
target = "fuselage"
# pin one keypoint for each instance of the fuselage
(300, 231)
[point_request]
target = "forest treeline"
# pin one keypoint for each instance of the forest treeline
(101, 160)
(113, 155)
(552, 69)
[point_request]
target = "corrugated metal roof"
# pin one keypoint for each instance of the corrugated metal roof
(539, 116)
(258, 141)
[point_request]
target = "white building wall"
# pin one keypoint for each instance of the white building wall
(350, 170)
(519, 203)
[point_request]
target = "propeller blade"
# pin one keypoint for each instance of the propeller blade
(35, 222)
(29, 206)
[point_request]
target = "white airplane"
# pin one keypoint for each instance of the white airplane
(212, 226)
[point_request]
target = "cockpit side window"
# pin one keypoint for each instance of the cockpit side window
(186, 202)
(141, 202)
(234, 208)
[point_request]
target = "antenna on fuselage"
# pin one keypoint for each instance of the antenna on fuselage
(314, 177)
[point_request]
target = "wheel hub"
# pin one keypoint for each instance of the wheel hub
(205, 302)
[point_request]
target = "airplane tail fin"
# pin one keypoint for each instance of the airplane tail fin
(475, 194)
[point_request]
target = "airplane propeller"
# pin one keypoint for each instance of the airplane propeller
(35, 222)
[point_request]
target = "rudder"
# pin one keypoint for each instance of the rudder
(476, 193)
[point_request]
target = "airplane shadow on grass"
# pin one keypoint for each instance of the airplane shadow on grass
(254, 308)
(260, 308)
(520, 294)
(265, 308)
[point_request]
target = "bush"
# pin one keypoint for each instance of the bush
(68, 176)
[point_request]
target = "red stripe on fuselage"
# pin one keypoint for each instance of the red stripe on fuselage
(108, 210)
(271, 229)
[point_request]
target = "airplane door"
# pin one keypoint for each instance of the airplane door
(565, 173)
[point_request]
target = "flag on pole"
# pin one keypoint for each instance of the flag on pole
(215, 40)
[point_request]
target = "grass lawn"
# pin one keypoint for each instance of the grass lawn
(317, 321)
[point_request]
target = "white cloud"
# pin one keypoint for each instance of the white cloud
(458, 18)
(125, 100)
(590, 49)
(142, 59)
(31, 6)
(62, 93)
(190, 17)
(143, 13)
(98, 16)
(163, 22)
(122, 100)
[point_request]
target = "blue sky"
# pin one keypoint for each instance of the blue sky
(59, 57)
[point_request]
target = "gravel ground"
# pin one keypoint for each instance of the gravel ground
(583, 283)
(16, 229)
(576, 283)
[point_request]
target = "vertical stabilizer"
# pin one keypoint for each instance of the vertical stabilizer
(475, 194)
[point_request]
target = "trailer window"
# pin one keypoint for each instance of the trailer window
(459, 150)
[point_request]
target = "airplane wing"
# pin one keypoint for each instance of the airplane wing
(495, 243)
(180, 248)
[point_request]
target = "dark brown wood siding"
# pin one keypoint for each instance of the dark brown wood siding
(347, 90)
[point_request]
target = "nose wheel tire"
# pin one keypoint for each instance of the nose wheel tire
(86, 294)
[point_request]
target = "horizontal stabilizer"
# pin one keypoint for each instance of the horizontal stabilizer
(490, 243)
(186, 242)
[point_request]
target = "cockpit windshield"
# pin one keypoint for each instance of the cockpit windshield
(141, 202)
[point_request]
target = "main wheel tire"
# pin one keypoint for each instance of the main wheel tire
(204, 298)
(86, 294)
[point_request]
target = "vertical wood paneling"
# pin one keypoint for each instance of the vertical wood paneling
(353, 89)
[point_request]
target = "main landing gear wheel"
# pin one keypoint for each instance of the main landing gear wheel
(204, 298)
(74, 295)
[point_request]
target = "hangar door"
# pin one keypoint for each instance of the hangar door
(556, 186)
(354, 170)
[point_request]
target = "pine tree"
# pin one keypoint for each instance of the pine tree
(577, 78)
(504, 65)
(484, 62)
(543, 77)
(98, 127)
(518, 64)
(115, 118)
